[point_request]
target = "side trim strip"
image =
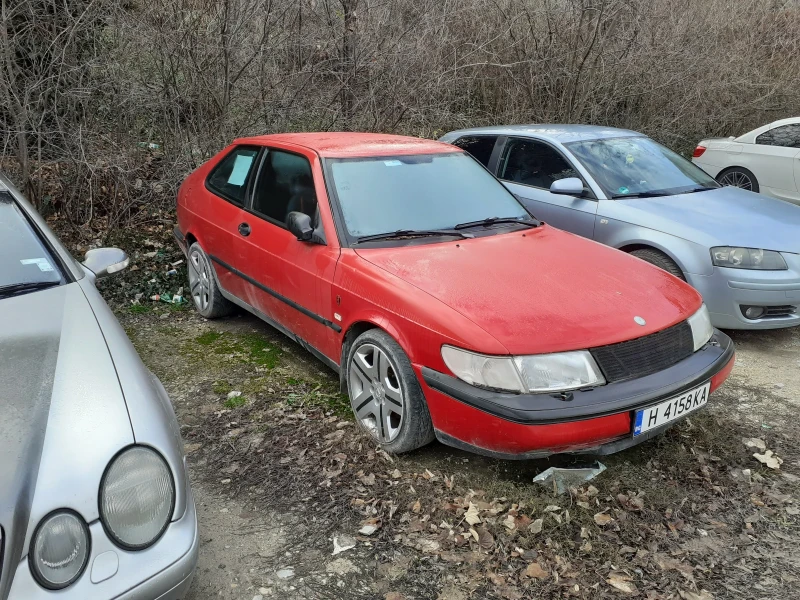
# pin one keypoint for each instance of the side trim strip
(275, 294)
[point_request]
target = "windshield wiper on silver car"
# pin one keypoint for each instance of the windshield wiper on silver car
(704, 188)
(409, 233)
(495, 220)
(29, 286)
(653, 194)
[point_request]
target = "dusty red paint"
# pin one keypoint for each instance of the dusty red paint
(533, 291)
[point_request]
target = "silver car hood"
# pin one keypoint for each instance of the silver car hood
(62, 413)
(722, 217)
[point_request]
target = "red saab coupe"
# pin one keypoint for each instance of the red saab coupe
(448, 310)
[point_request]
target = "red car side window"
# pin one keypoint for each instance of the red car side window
(284, 184)
(229, 177)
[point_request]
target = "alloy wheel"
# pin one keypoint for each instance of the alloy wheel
(736, 179)
(376, 394)
(199, 282)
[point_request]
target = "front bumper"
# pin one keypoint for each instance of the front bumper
(162, 572)
(726, 290)
(596, 420)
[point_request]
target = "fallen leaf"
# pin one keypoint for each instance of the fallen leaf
(417, 507)
(369, 529)
(368, 479)
(396, 474)
(536, 571)
(471, 516)
(552, 508)
(394, 596)
(622, 582)
(510, 523)
(603, 519)
(772, 460)
(536, 526)
(428, 546)
(485, 539)
(756, 443)
(702, 595)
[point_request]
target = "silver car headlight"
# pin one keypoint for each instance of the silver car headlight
(59, 550)
(536, 373)
(137, 497)
(702, 329)
(748, 258)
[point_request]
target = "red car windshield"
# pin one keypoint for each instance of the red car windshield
(419, 192)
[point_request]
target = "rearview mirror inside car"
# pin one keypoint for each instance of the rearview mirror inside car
(105, 261)
(300, 225)
(570, 186)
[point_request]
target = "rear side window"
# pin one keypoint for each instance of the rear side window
(533, 163)
(479, 146)
(284, 184)
(787, 136)
(229, 177)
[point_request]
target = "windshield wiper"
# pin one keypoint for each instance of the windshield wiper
(495, 220)
(29, 286)
(701, 189)
(641, 195)
(401, 233)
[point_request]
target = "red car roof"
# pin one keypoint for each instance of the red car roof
(344, 144)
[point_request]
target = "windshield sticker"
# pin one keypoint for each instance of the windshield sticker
(392, 163)
(42, 263)
(629, 159)
(241, 167)
(623, 190)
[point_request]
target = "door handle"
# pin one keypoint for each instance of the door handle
(244, 229)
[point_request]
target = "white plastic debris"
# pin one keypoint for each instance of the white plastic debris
(342, 543)
(561, 479)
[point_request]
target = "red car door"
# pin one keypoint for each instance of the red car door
(219, 219)
(290, 280)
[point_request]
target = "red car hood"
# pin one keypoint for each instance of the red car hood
(543, 290)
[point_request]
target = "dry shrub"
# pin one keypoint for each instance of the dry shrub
(85, 82)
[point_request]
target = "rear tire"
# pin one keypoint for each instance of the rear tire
(203, 288)
(739, 177)
(660, 260)
(385, 395)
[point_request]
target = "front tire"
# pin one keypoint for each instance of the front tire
(660, 260)
(738, 177)
(385, 395)
(203, 288)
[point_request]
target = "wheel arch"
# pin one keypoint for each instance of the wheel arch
(359, 326)
(647, 245)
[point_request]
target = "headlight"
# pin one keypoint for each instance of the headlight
(60, 550)
(748, 258)
(137, 497)
(702, 330)
(535, 373)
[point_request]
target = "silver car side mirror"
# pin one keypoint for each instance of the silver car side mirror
(569, 186)
(105, 261)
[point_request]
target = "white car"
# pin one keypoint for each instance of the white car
(765, 160)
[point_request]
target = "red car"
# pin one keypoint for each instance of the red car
(447, 309)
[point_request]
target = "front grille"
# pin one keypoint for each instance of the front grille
(779, 311)
(645, 355)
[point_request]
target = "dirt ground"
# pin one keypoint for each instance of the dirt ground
(294, 502)
(282, 478)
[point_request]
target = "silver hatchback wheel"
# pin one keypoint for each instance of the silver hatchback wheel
(199, 282)
(738, 179)
(376, 393)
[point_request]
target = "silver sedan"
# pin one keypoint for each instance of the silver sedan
(94, 498)
(740, 250)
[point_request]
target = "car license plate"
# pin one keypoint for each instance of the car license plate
(670, 410)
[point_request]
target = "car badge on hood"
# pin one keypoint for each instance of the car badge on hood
(639, 321)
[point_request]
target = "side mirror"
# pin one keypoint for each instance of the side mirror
(570, 186)
(105, 261)
(300, 225)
